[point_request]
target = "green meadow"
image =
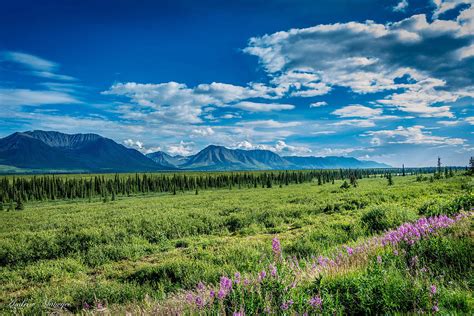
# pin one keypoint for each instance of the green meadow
(140, 253)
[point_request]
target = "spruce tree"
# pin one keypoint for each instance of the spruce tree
(345, 185)
(19, 205)
(389, 178)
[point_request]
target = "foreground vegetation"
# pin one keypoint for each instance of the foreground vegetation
(148, 253)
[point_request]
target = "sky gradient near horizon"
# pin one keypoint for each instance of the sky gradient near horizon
(390, 81)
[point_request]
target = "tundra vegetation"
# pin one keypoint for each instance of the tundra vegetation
(352, 243)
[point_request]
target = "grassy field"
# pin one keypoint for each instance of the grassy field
(140, 253)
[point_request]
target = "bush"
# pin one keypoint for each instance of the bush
(375, 220)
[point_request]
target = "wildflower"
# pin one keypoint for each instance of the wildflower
(246, 282)
(435, 307)
(284, 306)
(200, 286)
(276, 247)
(433, 289)
(199, 302)
(212, 293)
(237, 278)
(86, 306)
(379, 259)
(226, 284)
(262, 275)
(350, 251)
(189, 297)
(395, 252)
(240, 313)
(316, 301)
(221, 294)
(273, 270)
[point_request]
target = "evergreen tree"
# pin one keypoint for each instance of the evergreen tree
(403, 170)
(389, 178)
(345, 185)
(269, 182)
(1, 206)
(471, 166)
(19, 205)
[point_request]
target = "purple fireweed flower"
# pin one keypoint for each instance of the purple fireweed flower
(262, 275)
(200, 286)
(240, 313)
(395, 252)
(189, 297)
(435, 308)
(237, 277)
(246, 282)
(290, 302)
(199, 302)
(350, 251)
(212, 293)
(273, 270)
(433, 289)
(226, 284)
(316, 301)
(276, 247)
(221, 294)
(284, 306)
(86, 306)
(379, 259)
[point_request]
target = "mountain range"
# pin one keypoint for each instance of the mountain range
(50, 150)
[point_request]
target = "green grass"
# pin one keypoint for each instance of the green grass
(142, 248)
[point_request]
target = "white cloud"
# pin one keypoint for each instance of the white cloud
(268, 124)
(30, 61)
(449, 123)
(175, 102)
(470, 120)
(323, 133)
(355, 122)
(318, 104)
(37, 66)
(280, 147)
(262, 107)
(370, 57)
(414, 135)
(182, 149)
(357, 110)
(230, 116)
(401, 6)
(20, 97)
(443, 6)
(202, 131)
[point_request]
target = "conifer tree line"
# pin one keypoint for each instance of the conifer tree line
(53, 187)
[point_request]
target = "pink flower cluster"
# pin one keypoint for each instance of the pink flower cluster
(412, 232)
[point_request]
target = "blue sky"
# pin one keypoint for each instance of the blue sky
(390, 81)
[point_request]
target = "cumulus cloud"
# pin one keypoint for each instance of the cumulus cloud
(182, 149)
(401, 6)
(268, 124)
(280, 147)
(370, 57)
(443, 6)
(318, 104)
(262, 107)
(176, 102)
(413, 135)
(202, 131)
(357, 110)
